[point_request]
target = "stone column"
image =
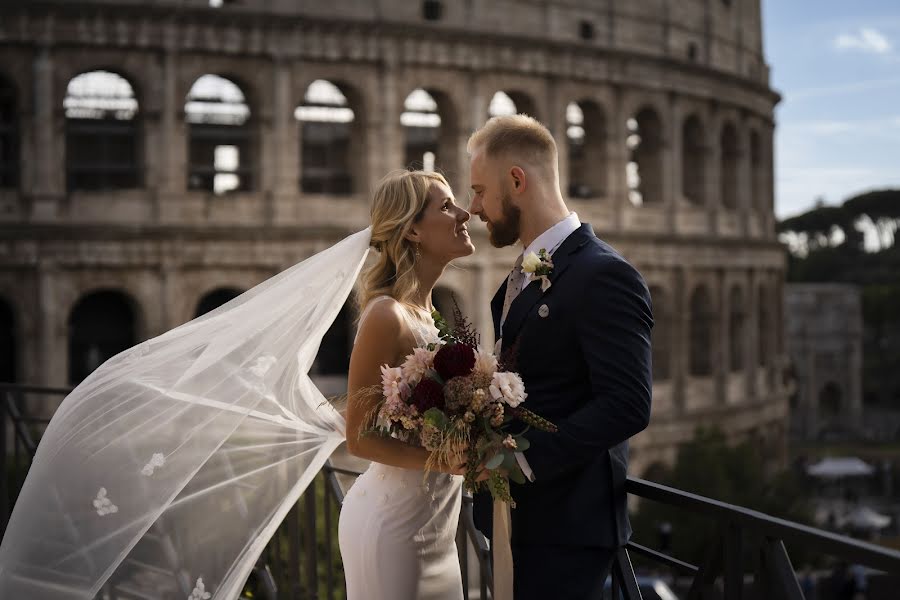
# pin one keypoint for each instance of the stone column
(285, 146)
(744, 173)
(674, 181)
(173, 164)
(752, 333)
(721, 347)
(713, 174)
(486, 286)
(48, 160)
(53, 336)
(679, 341)
(617, 159)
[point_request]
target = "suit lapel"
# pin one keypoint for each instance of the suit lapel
(532, 293)
(497, 306)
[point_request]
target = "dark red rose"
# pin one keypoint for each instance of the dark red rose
(428, 393)
(454, 360)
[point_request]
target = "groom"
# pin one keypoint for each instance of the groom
(582, 346)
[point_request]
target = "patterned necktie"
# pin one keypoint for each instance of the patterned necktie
(513, 286)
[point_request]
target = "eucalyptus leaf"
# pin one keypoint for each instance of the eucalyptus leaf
(495, 461)
(522, 444)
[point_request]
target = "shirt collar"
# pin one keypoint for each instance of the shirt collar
(551, 239)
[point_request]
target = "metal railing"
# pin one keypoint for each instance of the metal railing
(302, 559)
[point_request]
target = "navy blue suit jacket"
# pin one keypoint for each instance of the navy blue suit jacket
(586, 367)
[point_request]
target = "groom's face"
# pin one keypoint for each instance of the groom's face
(492, 202)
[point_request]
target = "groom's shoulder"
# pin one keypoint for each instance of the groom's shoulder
(599, 260)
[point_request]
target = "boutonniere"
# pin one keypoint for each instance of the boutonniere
(538, 266)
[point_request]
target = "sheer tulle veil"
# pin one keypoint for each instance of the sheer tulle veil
(167, 470)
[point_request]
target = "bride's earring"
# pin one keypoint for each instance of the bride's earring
(418, 252)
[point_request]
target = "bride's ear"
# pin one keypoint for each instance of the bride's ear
(413, 235)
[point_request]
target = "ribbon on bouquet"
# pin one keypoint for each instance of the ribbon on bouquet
(502, 551)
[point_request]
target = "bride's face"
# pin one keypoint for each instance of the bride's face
(442, 232)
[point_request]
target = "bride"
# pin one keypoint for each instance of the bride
(165, 473)
(398, 525)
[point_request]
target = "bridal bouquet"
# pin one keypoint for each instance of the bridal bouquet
(459, 402)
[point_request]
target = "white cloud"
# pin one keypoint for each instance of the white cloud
(867, 40)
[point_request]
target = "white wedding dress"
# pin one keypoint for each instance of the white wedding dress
(397, 528)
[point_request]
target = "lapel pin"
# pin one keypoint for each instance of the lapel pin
(544, 311)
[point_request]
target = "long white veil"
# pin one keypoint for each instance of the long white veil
(167, 471)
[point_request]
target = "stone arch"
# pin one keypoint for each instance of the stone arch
(645, 144)
(586, 134)
(9, 134)
(736, 328)
(337, 343)
(764, 326)
(757, 173)
(331, 125)
(216, 298)
(662, 343)
(430, 125)
(729, 156)
(222, 145)
(511, 102)
(702, 327)
(101, 324)
(9, 343)
(693, 161)
(103, 132)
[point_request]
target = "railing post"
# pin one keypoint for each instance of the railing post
(312, 550)
(781, 576)
(623, 572)
(6, 471)
(734, 569)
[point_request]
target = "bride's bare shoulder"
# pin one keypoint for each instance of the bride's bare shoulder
(383, 316)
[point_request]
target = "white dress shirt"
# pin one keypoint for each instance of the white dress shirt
(550, 240)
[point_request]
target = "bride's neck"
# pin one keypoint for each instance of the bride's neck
(427, 273)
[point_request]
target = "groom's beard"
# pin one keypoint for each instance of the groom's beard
(505, 232)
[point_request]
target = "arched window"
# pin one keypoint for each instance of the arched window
(661, 346)
(8, 344)
(215, 299)
(701, 328)
(9, 136)
(756, 172)
(510, 103)
(101, 325)
(220, 141)
(644, 170)
(830, 400)
(334, 351)
(103, 148)
(327, 131)
(729, 166)
(736, 330)
(693, 162)
(586, 136)
(765, 329)
(422, 129)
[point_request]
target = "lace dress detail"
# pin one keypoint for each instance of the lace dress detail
(397, 528)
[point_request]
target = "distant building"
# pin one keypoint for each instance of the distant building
(824, 333)
(159, 158)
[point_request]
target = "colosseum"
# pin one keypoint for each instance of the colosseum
(158, 158)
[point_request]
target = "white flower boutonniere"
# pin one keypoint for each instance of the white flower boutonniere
(538, 266)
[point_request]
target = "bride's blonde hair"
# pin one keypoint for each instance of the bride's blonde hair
(399, 201)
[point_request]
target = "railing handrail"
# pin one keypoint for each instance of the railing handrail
(885, 559)
(33, 389)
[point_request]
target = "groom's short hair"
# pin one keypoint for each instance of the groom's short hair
(515, 136)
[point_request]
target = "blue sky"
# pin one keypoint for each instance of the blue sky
(837, 66)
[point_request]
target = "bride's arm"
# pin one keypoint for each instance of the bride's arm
(383, 338)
